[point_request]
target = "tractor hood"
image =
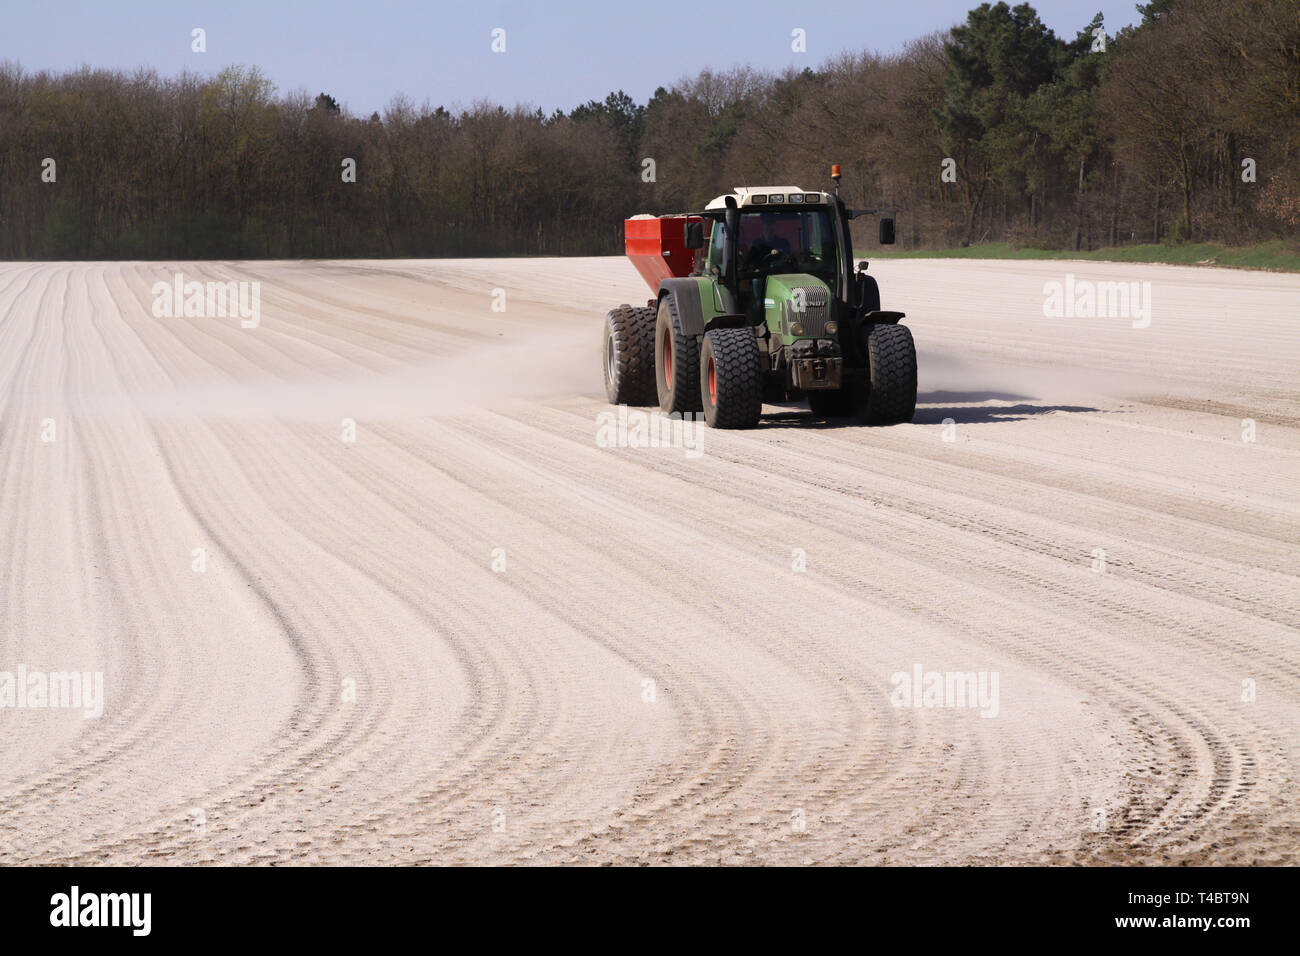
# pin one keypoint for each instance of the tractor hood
(788, 286)
(797, 300)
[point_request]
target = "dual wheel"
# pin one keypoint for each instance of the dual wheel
(649, 362)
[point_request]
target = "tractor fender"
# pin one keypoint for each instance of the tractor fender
(868, 293)
(856, 343)
(687, 305)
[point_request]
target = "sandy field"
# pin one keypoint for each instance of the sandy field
(479, 632)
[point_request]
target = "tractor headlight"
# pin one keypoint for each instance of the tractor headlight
(796, 328)
(759, 198)
(832, 327)
(796, 197)
(776, 198)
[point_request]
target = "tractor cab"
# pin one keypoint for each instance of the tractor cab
(774, 240)
(778, 230)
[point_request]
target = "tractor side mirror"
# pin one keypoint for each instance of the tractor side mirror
(694, 235)
(887, 232)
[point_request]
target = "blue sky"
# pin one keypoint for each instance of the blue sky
(558, 53)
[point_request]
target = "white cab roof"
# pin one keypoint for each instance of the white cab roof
(743, 195)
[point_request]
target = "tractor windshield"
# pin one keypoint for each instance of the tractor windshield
(771, 243)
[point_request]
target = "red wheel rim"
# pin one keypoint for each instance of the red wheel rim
(668, 358)
(713, 382)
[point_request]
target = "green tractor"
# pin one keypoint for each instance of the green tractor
(774, 312)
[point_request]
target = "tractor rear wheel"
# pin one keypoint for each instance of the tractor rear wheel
(677, 363)
(731, 378)
(630, 356)
(890, 399)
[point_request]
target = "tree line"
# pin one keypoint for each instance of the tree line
(1184, 126)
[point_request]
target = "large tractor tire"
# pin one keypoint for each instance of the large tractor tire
(677, 363)
(890, 398)
(731, 378)
(630, 356)
(831, 402)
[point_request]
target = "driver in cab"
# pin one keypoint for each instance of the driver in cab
(766, 244)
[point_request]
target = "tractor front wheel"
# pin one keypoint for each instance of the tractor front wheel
(890, 398)
(731, 378)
